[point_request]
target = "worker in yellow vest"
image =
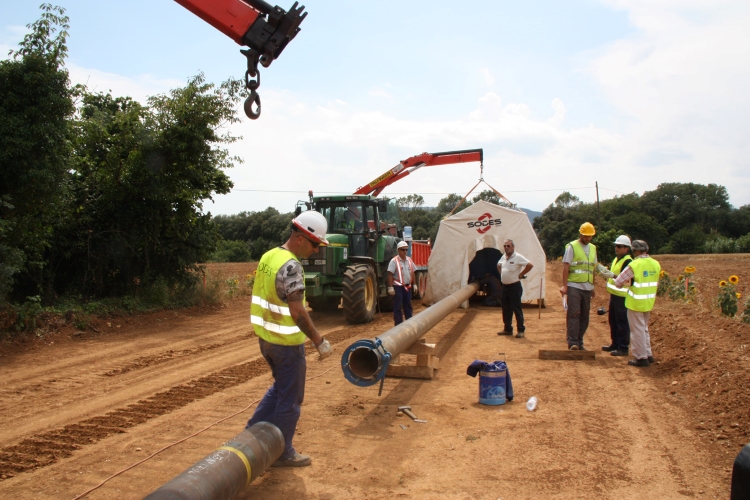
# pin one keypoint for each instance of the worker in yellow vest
(281, 322)
(579, 266)
(619, 329)
(643, 276)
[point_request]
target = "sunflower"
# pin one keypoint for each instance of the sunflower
(734, 279)
(739, 295)
(722, 283)
(662, 273)
(690, 269)
(680, 277)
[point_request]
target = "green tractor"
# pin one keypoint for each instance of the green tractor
(363, 232)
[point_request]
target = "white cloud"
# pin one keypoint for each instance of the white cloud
(138, 88)
(487, 76)
(379, 92)
(682, 80)
(560, 111)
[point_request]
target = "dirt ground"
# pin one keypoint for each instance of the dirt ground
(78, 407)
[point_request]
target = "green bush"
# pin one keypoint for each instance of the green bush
(232, 251)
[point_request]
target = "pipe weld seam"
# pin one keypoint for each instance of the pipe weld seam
(243, 458)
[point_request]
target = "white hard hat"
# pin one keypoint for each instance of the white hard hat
(313, 224)
(623, 240)
(402, 244)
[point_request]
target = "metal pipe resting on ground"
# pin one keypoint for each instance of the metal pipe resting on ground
(365, 362)
(229, 469)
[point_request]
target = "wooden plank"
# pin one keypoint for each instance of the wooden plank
(420, 348)
(427, 360)
(423, 372)
(588, 355)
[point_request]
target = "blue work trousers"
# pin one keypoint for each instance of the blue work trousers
(401, 299)
(281, 404)
(619, 328)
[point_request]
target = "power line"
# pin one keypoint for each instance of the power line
(431, 192)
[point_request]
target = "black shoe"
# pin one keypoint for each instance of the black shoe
(505, 332)
(573, 347)
(639, 362)
(581, 348)
(519, 335)
(651, 359)
(608, 348)
(618, 353)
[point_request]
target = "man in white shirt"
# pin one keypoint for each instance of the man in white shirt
(513, 268)
(401, 270)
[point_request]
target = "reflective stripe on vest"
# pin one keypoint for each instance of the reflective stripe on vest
(400, 281)
(617, 269)
(582, 268)
(269, 315)
(642, 293)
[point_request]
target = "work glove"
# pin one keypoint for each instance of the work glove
(324, 349)
(391, 291)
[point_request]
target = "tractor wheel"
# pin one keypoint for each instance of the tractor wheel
(359, 294)
(324, 305)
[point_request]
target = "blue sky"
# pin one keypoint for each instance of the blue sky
(626, 93)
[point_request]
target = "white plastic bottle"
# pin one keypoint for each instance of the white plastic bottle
(531, 403)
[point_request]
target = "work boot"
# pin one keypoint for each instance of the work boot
(609, 348)
(573, 347)
(639, 362)
(298, 460)
(651, 359)
(519, 335)
(618, 353)
(505, 332)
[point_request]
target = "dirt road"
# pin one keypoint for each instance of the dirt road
(77, 408)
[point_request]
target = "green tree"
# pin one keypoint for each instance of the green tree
(407, 206)
(35, 108)
(447, 204)
(489, 196)
(140, 179)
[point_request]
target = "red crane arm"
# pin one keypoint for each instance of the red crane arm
(266, 30)
(409, 165)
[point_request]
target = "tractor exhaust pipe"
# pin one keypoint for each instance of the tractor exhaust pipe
(229, 469)
(365, 362)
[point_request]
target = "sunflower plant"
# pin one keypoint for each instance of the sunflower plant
(728, 297)
(232, 285)
(681, 287)
(746, 312)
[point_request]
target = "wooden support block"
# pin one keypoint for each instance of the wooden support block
(587, 355)
(428, 360)
(424, 372)
(420, 348)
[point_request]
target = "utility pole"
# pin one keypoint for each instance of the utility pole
(598, 212)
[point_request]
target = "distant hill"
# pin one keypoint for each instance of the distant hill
(532, 214)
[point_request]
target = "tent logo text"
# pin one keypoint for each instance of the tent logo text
(484, 223)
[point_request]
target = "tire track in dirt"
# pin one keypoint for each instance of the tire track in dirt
(169, 355)
(43, 449)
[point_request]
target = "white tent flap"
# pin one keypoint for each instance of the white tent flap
(482, 225)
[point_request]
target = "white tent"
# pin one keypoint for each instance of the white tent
(482, 225)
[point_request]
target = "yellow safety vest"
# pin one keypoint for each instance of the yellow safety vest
(270, 315)
(582, 268)
(616, 269)
(642, 293)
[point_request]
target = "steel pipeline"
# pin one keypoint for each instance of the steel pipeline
(229, 469)
(365, 362)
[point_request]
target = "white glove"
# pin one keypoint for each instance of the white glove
(391, 291)
(324, 349)
(608, 274)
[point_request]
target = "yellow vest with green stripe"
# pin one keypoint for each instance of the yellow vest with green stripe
(616, 269)
(642, 293)
(582, 268)
(270, 315)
